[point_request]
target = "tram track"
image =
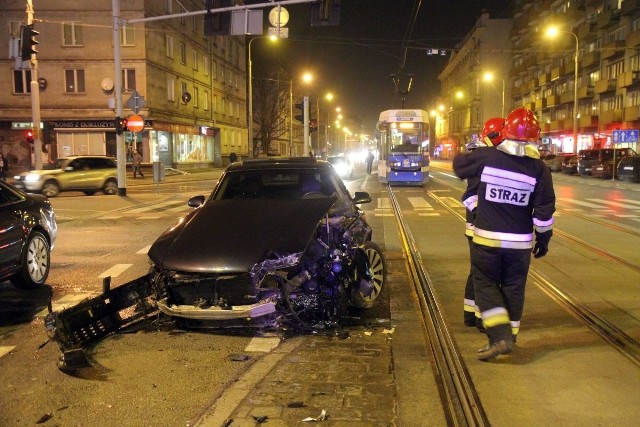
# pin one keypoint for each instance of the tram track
(460, 399)
(610, 333)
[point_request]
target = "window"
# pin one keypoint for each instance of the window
(21, 81)
(71, 34)
(214, 70)
(205, 65)
(205, 101)
(195, 97)
(74, 81)
(168, 45)
(171, 88)
(183, 87)
(194, 55)
(215, 103)
(127, 35)
(183, 53)
(183, 20)
(129, 79)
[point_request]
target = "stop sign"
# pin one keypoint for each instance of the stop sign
(135, 123)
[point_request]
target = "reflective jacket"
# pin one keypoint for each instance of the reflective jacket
(470, 201)
(515, 196)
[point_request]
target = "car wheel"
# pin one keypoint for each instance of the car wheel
(378, 273)
(35, 262)
(110, 187)
(50, 189)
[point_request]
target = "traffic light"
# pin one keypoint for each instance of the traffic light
(217, 24)
(313, 125)
(120, 124)
(28, 42)
(300, 117)
(30, 136)
(325, 13)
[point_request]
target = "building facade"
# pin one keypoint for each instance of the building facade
(190, 89)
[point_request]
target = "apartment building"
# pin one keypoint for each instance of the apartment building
(194, 87)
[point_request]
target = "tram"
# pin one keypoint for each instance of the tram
(404, 147)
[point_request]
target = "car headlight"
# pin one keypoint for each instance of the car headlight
(32, 177)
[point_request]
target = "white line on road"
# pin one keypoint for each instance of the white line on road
(115, 271)
(6, 349)
(262, 345)
(144, 250)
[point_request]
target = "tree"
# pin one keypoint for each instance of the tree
(270, 107)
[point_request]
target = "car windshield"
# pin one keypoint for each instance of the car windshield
(277, 184)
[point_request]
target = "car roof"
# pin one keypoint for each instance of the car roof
(268, 163)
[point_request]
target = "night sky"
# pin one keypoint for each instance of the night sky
(355, 60)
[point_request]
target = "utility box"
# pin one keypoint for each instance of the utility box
(158, 172)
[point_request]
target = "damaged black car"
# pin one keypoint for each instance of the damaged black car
(280, 242)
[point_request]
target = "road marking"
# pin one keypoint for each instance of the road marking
(429, 214)
(144, 250)
(111, 217)
(262, 345)
(66, 301)
(6, 349)
(419, 203)
(384, 203)
(149, 217)
(578, 202)
(115, 271)
(612, 203)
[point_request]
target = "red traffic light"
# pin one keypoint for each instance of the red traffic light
(30, 136)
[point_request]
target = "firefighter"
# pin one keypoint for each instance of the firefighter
(490, 136)
(516, 202)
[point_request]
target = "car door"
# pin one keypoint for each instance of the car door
(11, 230)
(75, 175)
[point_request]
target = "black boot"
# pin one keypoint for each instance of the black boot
(496, 349)
(469, 319)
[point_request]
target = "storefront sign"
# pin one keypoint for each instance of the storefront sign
(89, 124)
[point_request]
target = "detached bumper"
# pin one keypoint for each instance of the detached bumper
(252, 311)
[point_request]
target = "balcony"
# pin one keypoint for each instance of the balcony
(629, 7)
(587, 121)
(587, 32)
(556, 125)
(557, 72)
(631, 114)
(566, 97)
(553, 100)
(585, 92)
(613, 48)
(543, 79)
(608, 117)
(633, 39)
(590, 59)
(608, 18)
(627, 78)
(541, 103)
(604, 85)
(530, 105)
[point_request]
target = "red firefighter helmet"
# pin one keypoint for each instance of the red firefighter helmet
(521, 125)
(492, 129)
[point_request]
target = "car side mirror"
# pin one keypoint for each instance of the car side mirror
(361, 197)
(196, 201)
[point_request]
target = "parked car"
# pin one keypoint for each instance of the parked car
(629, 169)
(554, 161)
(570, 164)
(28, 230)
(588, 159)
(88, 174)
(342, 165)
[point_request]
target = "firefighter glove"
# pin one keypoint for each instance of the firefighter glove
(542, 244)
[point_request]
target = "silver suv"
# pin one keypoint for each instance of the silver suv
(78, 173)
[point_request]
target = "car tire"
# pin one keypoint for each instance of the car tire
(378, 271)
(36, 261)
(50, 189)
(110, 187)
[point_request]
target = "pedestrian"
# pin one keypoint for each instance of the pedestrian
(369, 161)
(4, 167)
(516, 202)
(137, 161)
(490, 136)
(233, 157)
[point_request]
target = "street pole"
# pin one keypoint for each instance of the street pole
(291, 117)
(250, 102)
(502, 98)
(307, 142)
(575, 96)
(35, 99)
(318, 125)
(117, 88)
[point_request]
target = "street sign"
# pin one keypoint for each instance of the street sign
(282, 34)
(135, 123)
(627, 135)
(135, 102)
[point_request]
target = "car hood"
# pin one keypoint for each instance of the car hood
(43, 172)
(233, 235)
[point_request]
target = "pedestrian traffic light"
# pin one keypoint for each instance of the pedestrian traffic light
(120, 124)
(325, 13)
(28, 42)
(300, 117)
(313, 125)
(30, 136)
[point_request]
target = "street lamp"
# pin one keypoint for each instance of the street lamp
(328, 97)
(552, 32)
(488, 76)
